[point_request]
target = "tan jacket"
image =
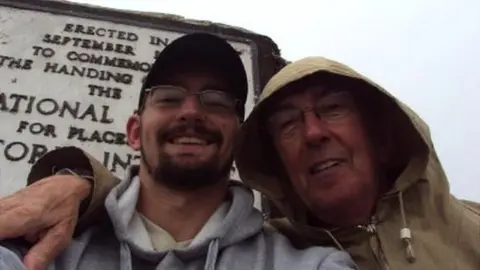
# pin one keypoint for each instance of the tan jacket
(445, 231)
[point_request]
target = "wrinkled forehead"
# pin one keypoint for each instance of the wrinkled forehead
(310, 89)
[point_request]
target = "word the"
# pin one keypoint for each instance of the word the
(15, 63)
(108, 92)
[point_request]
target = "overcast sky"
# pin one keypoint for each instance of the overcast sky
(426, 52)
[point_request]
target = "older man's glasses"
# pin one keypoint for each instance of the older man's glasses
(169, 96)
(289, 121)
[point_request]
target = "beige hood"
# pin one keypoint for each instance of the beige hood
(419, 199)
(255, 162)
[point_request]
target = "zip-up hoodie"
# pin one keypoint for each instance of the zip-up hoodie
(236, 242)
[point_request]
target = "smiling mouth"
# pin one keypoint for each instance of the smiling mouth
(324, 165)
(188, 140)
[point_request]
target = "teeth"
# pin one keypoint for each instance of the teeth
(325, 165)
(189, 140)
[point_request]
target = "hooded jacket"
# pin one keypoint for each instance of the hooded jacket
(237, 241)
(418, 224)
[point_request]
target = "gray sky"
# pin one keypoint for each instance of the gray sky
(426, 52)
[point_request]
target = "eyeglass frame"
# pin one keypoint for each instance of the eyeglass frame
(148, 92)
(302, 112)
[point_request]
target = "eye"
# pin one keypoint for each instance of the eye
(284, 120)
(214, 99)
(168, 97)
(333, 106)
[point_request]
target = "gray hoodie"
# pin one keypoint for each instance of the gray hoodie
(238, 241)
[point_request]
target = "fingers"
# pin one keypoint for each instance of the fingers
(36, 236)
(49, 246)
(18, 221)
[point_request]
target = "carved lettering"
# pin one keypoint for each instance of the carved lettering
(15, 63)
(89, 44)
(104, 60)
(100, 32)
(37, 128)
(15, 103)
(108, 137)
(45, 52)
(114, 161)
(90, 73)
(103, 91)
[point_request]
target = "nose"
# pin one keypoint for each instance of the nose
(315, 130)
(191, 109)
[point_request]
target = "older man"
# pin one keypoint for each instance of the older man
(349, 165)
(177, 210)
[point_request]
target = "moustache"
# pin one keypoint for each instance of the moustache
(195, 129)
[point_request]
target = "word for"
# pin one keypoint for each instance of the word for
(100, 32)
(108, 61)
(91, 73)
(108, 137)
(37, 128)
(89, 44)
(15, 103)
(15, 63)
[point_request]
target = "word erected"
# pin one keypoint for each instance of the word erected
(90, 44)
(15, 103)
(15, 63)
(91, 73)
(100, 32)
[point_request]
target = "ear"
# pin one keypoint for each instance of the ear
(133, 132)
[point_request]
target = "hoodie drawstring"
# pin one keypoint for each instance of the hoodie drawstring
(212, 255)
(125, 257)
(339, 246)
(406, 233)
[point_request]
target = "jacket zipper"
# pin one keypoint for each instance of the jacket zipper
(375, 244)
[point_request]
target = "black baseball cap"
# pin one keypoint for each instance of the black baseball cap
(206, 50)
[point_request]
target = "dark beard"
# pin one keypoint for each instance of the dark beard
(178, 178)
(175, 177)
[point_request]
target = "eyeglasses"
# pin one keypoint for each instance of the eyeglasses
(170, 96)
(289, 121)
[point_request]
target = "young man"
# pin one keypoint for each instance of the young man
(178, 209)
